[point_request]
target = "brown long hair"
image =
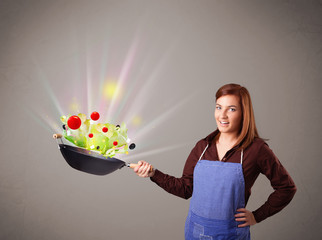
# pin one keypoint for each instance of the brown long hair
(248, 129)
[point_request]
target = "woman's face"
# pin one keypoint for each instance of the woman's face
(228, 114)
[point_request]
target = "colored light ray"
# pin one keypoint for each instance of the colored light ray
(74, 106)
(94, 81)
(123, 76)
(89, 83)
(155, 151)
(41, 117)
(43, 120)
(112, 90)
(148, 129)
(136, 121)
(102, 80)
(159, 120)
(45, 83)
(134, 97)
(138, 103)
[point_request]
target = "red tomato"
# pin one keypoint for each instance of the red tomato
(74, 122)
(95, 116)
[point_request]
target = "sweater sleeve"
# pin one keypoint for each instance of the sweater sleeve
(181, 187)
(281, 181)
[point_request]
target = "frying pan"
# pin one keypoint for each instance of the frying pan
(90, 161)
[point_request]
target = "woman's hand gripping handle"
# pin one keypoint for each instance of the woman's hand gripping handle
(143, 169)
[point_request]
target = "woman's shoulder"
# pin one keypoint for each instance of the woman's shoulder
(208, 140)
(258, 143)
(261, 148)
(210, 137)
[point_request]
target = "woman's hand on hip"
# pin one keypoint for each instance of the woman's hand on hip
(245, 216)
(144, 169)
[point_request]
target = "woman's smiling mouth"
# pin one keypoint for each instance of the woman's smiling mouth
(223, 123)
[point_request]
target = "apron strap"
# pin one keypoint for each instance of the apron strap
(241, 154)
(203, 152)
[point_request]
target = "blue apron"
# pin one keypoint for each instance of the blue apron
(218, 191)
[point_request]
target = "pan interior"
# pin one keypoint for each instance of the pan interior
(89, 153)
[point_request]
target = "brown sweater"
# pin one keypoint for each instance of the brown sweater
(258, 158)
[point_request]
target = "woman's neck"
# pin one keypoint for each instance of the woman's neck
(229, 139)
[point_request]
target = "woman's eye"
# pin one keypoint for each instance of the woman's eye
(232, 109)
(218, 107)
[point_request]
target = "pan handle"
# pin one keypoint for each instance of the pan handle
(133, 165)
(57, 135)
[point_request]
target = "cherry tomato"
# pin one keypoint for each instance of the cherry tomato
(95, 116)
(74, 122)
(115, 143)
(90, 135)
(105, 129)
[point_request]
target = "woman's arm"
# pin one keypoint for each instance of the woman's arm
(281, 181)
(181, 187)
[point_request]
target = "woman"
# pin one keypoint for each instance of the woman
(222, 168)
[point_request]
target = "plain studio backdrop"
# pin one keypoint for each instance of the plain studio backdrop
(168, 58)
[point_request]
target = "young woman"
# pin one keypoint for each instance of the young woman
(222, 168)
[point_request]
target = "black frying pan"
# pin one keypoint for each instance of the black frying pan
(90, 161)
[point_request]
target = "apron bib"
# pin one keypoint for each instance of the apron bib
(218, 191)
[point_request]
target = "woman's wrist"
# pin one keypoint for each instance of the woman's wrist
(152, 173)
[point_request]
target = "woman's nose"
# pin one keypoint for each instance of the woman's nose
(224, 114)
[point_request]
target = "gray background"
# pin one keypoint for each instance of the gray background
(171, 57)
